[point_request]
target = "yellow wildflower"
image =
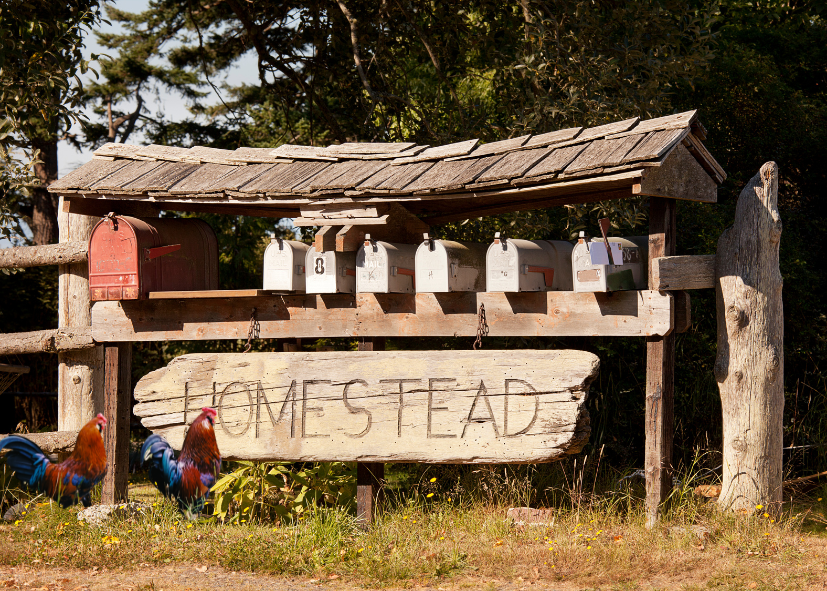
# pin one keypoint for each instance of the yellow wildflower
(433, 479)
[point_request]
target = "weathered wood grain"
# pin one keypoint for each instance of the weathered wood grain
(438, 176)
(208, 294)
(660, 373)
(114, 150)
(494, 148)
(117, 410)
(162, 178)
(513, 165)
(396, 178)
(470, 173)
(402, 406)
(159, 152)
(552, 137)
(46, 341)
(608, 129)
(123, 176)
(369, 147)
(209, 155)
(603, 152)
(679, 177)
(749, 366)
(655, 145)
(683, 272)
(439, 152)
(628, 313)
(557, 160)
(202, 181)
(22, 257)
(302, 152)
(52, 442)
(699, 151)
(669, 122)
(88, 174)
(256, 156)
(241, 176)
(291, 177)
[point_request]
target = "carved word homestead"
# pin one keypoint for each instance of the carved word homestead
(390, 406)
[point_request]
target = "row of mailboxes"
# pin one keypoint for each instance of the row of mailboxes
(438, 266)
(130, 257)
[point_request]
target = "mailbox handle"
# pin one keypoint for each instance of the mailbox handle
(548, 273)
(350, 272)
(159, 251)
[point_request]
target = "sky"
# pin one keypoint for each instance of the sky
(69, 158)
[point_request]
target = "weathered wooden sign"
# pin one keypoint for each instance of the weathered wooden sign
(380, 406)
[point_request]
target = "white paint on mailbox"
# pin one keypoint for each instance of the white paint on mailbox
(331, 271)
(444, 265)
(383, 267)
(514, 265)
(284, 265)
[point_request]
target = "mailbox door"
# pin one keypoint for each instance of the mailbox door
(382, 267)
(117, 266)
(587, 277)
(330, 272)
(502, 264)
(432, 267)
(284, 265)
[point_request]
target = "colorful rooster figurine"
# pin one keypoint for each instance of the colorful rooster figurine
(188, 479)
(71, 479)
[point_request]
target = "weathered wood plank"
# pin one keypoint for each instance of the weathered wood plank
(209, 155)
(439, 152)
(608, 129)
(655, 145)
(438, 176)
(369, 147)
(494, 148)
(88, 174)
(679, 177)
(114, 150)
(117, 410)
(256, 156)
(100, 207)
(22, 257)
(403, 406)
(325, 238)
(683, 272)
(660, 373)
(208, 294)
(396, 178)
(302, 152)
(241, 176)
(159, 152)
(552, 137)
(123, 176)
(328, 175)
(291, 177)
(699, 151)
(46, 341)
(628, 313)
(513, 165)
(669, 122)
(203, 179)
(471, 173)
(163, 177)
(556, 160)
(603, 153)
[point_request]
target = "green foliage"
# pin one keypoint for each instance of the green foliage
(41, 61)
(267, 491)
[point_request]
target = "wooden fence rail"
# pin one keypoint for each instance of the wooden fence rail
(46, 341)
(52, 442)
(39, 256)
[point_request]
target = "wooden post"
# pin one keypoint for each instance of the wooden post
(80, 373)
(749, 367)
(660, 373)
(117, 409)
(369, 475)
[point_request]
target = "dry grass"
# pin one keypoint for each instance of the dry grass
(420, 540)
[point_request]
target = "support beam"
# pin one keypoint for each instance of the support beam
(23, 257)
(369, 475)
(80, 372)
(53, 442)
(660, 373)
(117, 409)
(683, 272)
(553, 313)
(141, 208)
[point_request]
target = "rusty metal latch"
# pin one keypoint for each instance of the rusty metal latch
(482, 327)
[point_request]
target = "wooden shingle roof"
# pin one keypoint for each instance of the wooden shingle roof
(663, 156)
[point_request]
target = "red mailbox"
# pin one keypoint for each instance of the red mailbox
(130, 257)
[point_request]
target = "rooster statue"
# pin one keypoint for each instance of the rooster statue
(70, 480)
(188, 479)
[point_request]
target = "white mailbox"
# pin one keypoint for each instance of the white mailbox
(630, 272)
(528, 265)
(444, 265)
(331, 271)
(284, 265)
(383, 267)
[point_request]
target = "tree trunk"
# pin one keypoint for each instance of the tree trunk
(750, 363)
(44, 205)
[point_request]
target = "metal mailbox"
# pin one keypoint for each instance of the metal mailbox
(444, 265)
(330, 271)
(528, 265)
(131, 257)
(284, 265)
(631, 274)
(383, 267)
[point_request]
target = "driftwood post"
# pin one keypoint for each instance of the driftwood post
(750, 363)
(80, 373)
(369, 475)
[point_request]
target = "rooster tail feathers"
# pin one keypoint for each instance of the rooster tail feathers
(154, 448)
(163, 469)
(26, 459)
